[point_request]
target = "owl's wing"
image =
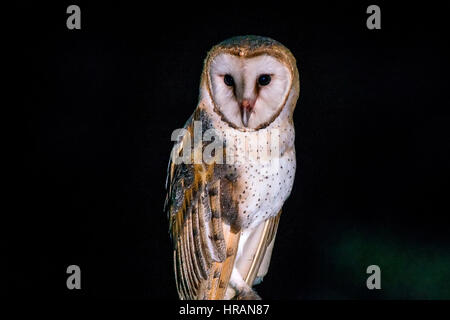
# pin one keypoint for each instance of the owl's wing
(259, 265)
(200, 204)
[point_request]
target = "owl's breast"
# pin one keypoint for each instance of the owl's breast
(264, 187)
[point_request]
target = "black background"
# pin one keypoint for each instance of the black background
(98, 105)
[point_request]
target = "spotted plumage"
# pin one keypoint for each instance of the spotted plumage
(223, 214)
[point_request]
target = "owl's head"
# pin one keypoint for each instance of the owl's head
(249, 80)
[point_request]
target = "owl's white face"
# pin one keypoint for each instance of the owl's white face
(249, 91)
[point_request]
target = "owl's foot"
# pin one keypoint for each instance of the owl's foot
(239, 289)
(247, 295)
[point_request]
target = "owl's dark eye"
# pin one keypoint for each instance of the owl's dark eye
(229, 81)
(264, 80)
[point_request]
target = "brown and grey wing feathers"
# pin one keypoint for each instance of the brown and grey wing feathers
(204, 249)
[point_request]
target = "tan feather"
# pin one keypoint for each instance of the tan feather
(228, 264)
(267, 236)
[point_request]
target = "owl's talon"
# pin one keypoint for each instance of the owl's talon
(248, 295)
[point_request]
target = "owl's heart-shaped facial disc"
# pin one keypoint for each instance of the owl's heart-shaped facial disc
(249, 91)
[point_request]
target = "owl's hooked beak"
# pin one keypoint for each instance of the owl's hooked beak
(246, 110)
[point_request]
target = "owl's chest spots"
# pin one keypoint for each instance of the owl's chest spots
(263, 188)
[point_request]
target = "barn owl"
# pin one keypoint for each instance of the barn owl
(223, 214)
